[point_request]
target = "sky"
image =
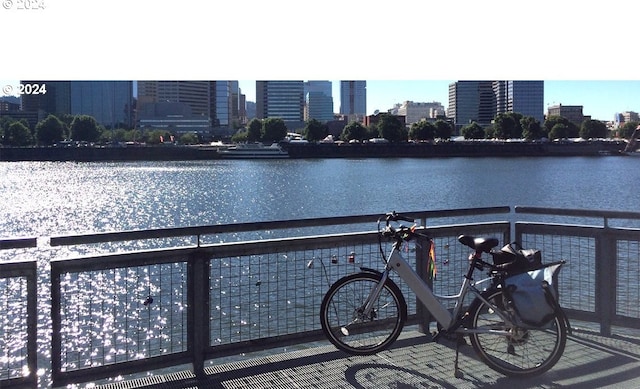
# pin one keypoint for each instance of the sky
(584, 52)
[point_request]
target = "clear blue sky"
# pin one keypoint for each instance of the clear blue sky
(600, 99)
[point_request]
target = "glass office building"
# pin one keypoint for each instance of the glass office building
(280, 99)
(353, 98)
(109, 102)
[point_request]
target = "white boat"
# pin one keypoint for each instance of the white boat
(253, 151)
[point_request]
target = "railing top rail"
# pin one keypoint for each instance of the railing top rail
(257, 226)
(578, 212)
(18, 243)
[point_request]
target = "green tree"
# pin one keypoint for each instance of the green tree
(570, 129)
(240, 136)
(254, 130)
(531, 128)
(391, 129)
(472, 131)
(315, 131)
(155, 137)
(67, 119)
(422, 130)
(5, 122)
(559, 131)
(133, 136)
(50, 130)
(189, 138)
(507, 125)
(444, 130)
(273, 130)
(593, 129)
(627, 129)
(85, 128)
(354, 131)
(18, 135)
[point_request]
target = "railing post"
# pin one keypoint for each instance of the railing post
(56, 325)
(422, 263)
(198, 322)
(606, 275)
(32, 321)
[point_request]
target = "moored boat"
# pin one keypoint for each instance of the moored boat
(253, 151)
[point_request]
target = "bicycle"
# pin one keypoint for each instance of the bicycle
(363, 313)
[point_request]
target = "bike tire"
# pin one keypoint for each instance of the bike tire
(347, 329)
(527, 352)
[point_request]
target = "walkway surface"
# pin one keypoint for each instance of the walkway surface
(589, 361)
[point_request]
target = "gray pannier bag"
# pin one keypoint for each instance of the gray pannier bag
(534, 296)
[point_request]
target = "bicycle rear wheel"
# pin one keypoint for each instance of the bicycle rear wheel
(525, 352)
(345, 324)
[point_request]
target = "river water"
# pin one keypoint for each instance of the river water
(57, 198)
(44, 199)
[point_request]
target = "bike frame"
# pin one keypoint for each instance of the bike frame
(431, 301)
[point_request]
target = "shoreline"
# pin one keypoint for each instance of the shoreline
(321, 150)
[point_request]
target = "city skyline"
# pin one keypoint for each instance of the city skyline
(601, 99)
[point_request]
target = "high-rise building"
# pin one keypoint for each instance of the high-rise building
(471, 101)
(318, 101)
(353, 99)
(527, 98)
(196, 94)
(56, 101)
(281, 99)
(215, 100)
(481, 101)
(221, 109)
(109, 102)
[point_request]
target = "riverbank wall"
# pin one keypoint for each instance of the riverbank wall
(321, 150)
(453, 149)
(98, 154)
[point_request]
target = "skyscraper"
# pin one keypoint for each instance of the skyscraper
(481, 101)
(318, 100)
(196, 94)
(109, 102)
(217, 100)
(281, 99)
(471, 101)
(353, 99)
(527, 98)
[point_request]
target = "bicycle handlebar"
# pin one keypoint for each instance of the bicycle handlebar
(394, 217)
(401, 232)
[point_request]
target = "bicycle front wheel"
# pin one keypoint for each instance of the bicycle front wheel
(349, 328)
(524, 352)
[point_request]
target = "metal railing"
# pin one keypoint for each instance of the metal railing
(115, 314)
(18, 323)
(601, 282)
(123, 313)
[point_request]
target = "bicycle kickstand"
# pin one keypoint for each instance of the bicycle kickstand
(456, 371)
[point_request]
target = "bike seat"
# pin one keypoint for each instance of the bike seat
(479, 244)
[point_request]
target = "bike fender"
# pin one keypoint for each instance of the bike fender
(372, 271)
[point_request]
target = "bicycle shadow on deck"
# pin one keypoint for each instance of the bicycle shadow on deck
(589, 361)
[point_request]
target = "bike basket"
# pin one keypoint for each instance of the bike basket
(534, 295)
(515, 259)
